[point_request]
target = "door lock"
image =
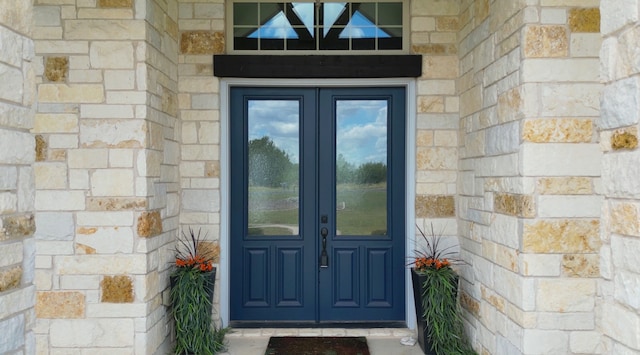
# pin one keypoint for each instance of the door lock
(324, 257)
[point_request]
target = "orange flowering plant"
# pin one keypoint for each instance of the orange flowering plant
(193, 252)
(431, 255)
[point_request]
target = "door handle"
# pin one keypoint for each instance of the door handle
(324, 257)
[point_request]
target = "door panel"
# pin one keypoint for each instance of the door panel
(317, 205)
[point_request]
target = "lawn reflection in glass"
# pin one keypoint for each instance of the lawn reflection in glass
(361, 167)
(274, 147)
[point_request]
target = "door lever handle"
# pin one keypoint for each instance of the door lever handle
(324, 257)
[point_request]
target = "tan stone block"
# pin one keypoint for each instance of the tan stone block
(471, 101)
(493, 299)
(17, 226)
(115, 203)
(447, 23)
(469, 303)
(115, 3)
(10, 279)
(149, 224)
(430, 104)
(50, 176)
(515, 205)
(434, 48)
(561, 236)
(56, 69)
(440, 67)
(624, 218)
(584, 20)
(41, 148)
(435, 7)
(112, 13)
(566, 295)
(117, 289)
(546, 41)
(625, 139)
(202, 42)
(59, 305)
(481, 10)
(55, 123)
(437, 206)
(558, 130)
(573, 185)
(212, 169)
(446, 138)
(88, 158)
(74, 93)
(436, 158)
(423, 24)
(105, 29)
(424, 138)
(581, 265)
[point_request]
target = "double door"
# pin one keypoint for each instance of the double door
(317, 205)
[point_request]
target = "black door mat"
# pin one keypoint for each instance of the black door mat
(317, 346)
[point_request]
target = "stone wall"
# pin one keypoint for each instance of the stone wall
(106, 173)
(619, 263)
(17, 155)
(530, 166)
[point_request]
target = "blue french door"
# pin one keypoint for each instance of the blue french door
(317, 205)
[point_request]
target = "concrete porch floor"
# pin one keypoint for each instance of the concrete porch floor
(381, 341)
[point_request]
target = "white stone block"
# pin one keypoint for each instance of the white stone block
(12, 334)
(552, 16)
(113, 133)
(106, 240)
(121, 158)
(117, 310)
(77, 333)
(78, 179)
(624, 252)
(12, 47)
(585, 45)
(104, 218)
(627, 288)
(569, 206)
(85, 76)
(566, 321)
(47, 16)
(621, 325)
(16, 147)
(54, 226)
(560, 159)
(501, 165)
(87, 158)
(8, 177)
(127, 97)
(617, 14)
(55, 248)
(106, 111)
(620, 104)
(545, 342)
(541, 264)
(119, 79)
(26, 189)
(570, 100)
(8, 202)
(201, 200)
(107, 264)
(50, 175)
(561, 70)
(80, 282)
(622, 178)
(503, 139)
(63, 141)
(566, 295)
(586, 342)
(55, 200)
(112, 182)
(11, 254)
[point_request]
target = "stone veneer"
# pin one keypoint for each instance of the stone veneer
(125, 148)
(619, 262)
(529, 210)
(17, 154)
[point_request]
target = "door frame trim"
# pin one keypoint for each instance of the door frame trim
(410, 153)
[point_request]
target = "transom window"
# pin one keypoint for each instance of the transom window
(317, 26)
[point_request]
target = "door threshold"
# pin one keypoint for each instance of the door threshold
(303, 324)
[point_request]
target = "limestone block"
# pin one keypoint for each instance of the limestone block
(202, 42)
(209, 10)
(117, 289)
(115, 203)
(586, 342)
(620, 104)
(115, 3)
(435, 206)
(625, 139)
(113, 133)
(555, 70)
(56, 69)
(112, 182)
(584, 20)
(566, 295)
(503, 138)
(12, 53)
(40, 148)
(627, 288)
(541, 264)
(580, 321)
(620, 180)
(501, 165)
(436, 158)
(624, 218)
(561, 236)
(585, 45)
(88, 158)
(17, 300)
(621, 324)
(73, 93)
(82, 333)
(199, 85)
(106, 240)
(58, 200)
(189, 133)
(537, 341)
(617, 14)
(50, 176)
(551, 16)
(566, 100)
(91, 13)
(430, 104)
(106, 111)
(516, 290)
(104, 29)
(440, 67)
(108, 264)
(54, 226)
(8, 202)
(570, 3)
(149, 224)
(201, 200)
(60, 304)
(121, 158)
(119, 80)
(55, 123)
(504, 230)
(12, 334)
(515, 205)
(434, 8)
(557, 159)
(581, 265)
(14, 76)
(436, 87)
(200, 152)
(423, 24)
(546, 41)
(558, 130)
(10, 278)
(212, 169)
(569, 206)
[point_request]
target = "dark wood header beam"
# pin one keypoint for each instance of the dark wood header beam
(317, 66)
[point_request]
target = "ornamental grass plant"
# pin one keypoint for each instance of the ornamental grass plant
(439, 297)
(192, 286)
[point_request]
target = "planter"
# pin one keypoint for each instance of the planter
(423, 330)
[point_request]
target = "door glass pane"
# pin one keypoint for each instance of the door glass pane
(361, 167)
(273, 148)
